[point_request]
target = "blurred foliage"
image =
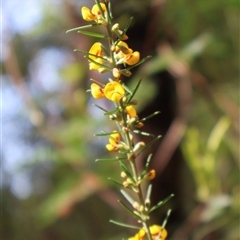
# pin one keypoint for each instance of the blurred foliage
(71, 197)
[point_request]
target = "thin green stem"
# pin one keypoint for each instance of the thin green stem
(132, 160)
(127, 137)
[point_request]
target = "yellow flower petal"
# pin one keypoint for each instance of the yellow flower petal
(113, 142)
(96, 11)
(111, 148)
(139, 235)
(114, 138)
(133, 58)
(123, 47)
(158, 231)
(87, 14)
(94, 14)
(131, 111)
(97, 91)
(114, 91)
(97, 52)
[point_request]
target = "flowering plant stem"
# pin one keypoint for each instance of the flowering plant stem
(118, 59)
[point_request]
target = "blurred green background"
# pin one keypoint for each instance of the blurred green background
(51, 186)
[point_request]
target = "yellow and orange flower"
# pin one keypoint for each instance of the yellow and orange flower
(157, 232)
(97, 91)
(96, 54)
(114, 91)
(94, 14)
(125, 55)
(113, 144)
(131, 111)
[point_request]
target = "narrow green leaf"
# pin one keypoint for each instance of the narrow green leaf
(86, 54)
(146, 165)
(161, 203)
(150, 116)
(116, 182)
(149, 144)
(100, 8)
(143, 133)
(105, 133)
(109, 11)
(125, 29)
(149, 192)
(124, 224)
(127, 196)
(127, 25)
(126, 170)
(111, 112)
(129, 210)
(140, 62)
(127, 89)
(92, 34)
(100, 107)
(83, 27)
(124, 151)
(134, 91)
(99, 64)
(110, 159)
(166, 218)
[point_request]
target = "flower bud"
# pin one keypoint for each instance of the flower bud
(116, 73)
(115, 27)
(151, 174)
(123, 175)
(138, 146)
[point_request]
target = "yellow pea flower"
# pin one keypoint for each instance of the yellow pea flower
(138, 236)
(97, 91)
(124, 54)
(113, 142)
(132, 58)
(131, 111)
(157, 232)
(114, 91)
(123, 47)
(98, 53)
(94, 14)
